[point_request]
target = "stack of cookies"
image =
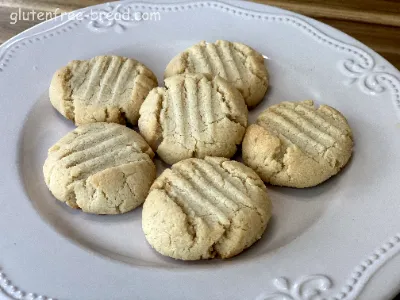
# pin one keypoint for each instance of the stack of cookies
(205, 205)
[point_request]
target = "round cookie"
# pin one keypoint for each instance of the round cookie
(102, 89)
(239, 64)
(193, 116)
(298, 145)
(101, 168)
(205, 208)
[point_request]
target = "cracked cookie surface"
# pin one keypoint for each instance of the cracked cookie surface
(205, 208)
(239, 64)
(195, 115)
(298, 145)
(101, 168)
(102, 89)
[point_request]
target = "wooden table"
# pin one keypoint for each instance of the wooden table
(376, 23)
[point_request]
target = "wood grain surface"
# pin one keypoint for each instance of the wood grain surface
(375, 23)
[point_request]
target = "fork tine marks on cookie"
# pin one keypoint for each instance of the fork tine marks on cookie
(194, 198)
(315, 117)
(208, 187)
(216, 61)
(207, 107)
(102, 89)
(201, 60)
(297, 144)
(237, 63)
(305, 125)
(228, 189)
(294, 133)
(99, 68)
(232, 70)
(101, 168)
(201, 115)
(192, 107)
(108, 80)
(199, 217)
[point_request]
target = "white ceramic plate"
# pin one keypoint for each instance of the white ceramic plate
(335, 241)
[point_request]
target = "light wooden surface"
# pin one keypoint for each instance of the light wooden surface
(376, 23)
(384, 12)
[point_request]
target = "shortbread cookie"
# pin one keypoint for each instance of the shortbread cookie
(102, 168)
(298, 145)
(239, 64)
(205, 208)
(103, 89)
(193, 116)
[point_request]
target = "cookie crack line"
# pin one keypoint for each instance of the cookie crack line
(292, 144)
(99, 89)
(86, 174)
(189, 222)
(73, 90)
(261, 185)
(191, 118)
(230, 115)
(244, 183)
(211, 251)
(215, 215)
(322, 154)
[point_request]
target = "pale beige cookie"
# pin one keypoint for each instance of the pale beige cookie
(102, 168)
(193, 116)
(205, 208)
(241, 65)
(102, 89)
(298, 145)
